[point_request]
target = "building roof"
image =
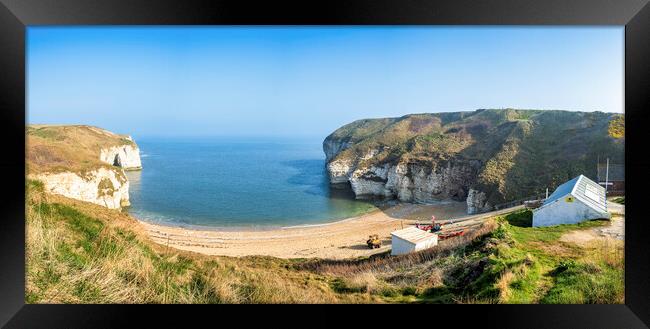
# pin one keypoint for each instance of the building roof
(590, 193)
(584, 189)
(413, 234)
(616, 172)
(561, 191)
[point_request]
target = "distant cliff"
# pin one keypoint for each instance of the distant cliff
(484, 157)
(82, 162)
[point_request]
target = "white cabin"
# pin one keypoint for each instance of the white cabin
(411, 239)
(575, 201)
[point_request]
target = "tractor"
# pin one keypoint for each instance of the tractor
(373, 241)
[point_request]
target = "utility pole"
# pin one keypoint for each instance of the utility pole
(606, 177)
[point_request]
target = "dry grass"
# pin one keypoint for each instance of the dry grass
(504, 285)
(384, 262)
(82, 253)
(609, 251)
(424, 276)
(67, 148)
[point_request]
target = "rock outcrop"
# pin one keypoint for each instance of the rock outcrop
(107, 187)
(484, 157)
(477, 202)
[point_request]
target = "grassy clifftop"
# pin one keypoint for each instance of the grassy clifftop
(68, 148)
(521, 151)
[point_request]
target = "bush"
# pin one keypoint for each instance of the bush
(619, 200)
(522, 218)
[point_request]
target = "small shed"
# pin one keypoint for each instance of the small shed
(575, 201)
(411, 239)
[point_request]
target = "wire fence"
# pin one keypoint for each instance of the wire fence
(536, 197)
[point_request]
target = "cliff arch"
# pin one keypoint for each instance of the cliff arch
(117, 161)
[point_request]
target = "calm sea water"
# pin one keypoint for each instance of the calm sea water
(236, 182)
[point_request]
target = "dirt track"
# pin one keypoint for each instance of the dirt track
(615, 230)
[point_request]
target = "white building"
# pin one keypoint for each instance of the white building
(411, 239)
(575, 201)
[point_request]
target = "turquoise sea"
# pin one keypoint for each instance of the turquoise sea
(236, 182)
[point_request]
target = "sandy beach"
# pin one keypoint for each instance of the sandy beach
(341, 239)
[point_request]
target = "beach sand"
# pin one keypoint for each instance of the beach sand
(337, 240)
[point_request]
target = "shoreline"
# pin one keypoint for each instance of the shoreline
(260, 228)
(263, 228)
(340, 239)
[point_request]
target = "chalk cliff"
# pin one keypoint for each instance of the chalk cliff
(82, 162)
(411, 181)
(125, 156)
(483, 157)
(105, 186)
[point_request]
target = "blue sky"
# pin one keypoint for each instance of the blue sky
(308, 81)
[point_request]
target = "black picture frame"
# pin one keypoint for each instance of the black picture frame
(15, 15)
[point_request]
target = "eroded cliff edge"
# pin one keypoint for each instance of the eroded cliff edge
(82, 162)
(483, 157)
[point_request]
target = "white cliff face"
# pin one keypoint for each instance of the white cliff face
(477, 202)
(414, 182)
(104, 186)
(419, 182)
(339, 171)
(124, 156)
(371, 182)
